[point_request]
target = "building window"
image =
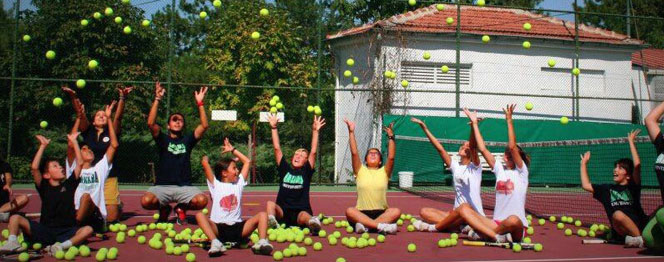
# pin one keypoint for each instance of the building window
(657, 85)
(431, 75)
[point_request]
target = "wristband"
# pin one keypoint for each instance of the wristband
(200, 103)
(274, 128)
(390, 137)
(122, 98)
(233, 150)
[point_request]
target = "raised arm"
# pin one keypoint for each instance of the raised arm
(113, 147)
(209, 174)
(439, 147)
(246, 162)
(78, 108)
(479, 140)
(472, 146)
(273, 120)
(119, 112)
(355, 157)
(34, 167)
(391, 149)
(319, 122)
(72, 138)
(152, 117)
(8, 183)
(203, 126)
(652, 121)
(511, 136)
(636, 173)
(70, 148)
(585, 179)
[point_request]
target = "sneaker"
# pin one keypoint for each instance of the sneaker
(465, 229)
(504, 238)
(472, 235)
(164, 212)
(359, 228)
(272, 222)
(11, 247)
(387, 228)
(634, 242)
(423, 226)
(52, 249)
(314, 224)
(180, 214)
(262, 248)
(4, 217)
(216, 250)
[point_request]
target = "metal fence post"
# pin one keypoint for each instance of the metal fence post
(457, 81)
(13, 81)
(170, 59)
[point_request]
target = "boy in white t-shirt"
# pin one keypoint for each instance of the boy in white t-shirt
(225, 223)
(509, 218)
(467, 176)
(89, 196)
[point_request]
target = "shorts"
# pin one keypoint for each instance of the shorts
(232, 233)
(291, 214)
(111, 192)
(174, 194)
(524, 228)
(49, 235)
(373, 214)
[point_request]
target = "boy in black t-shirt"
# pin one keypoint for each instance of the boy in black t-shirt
(57, 222)
(9, 202)
(652, 122)
(173, 178)
(621, 200)
(292, 206)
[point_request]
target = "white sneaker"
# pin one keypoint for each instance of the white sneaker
(272, 222)
(634, 242)
(11, 247)
(262, 248)
(504, 238)
(387, 228)
(4, 217)
(52, 249)
(424, 226)
(472, 235)
(314, 224)
(359, 228)
(465, 229)
(216, 250)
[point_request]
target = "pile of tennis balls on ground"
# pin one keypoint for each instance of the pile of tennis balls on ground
(69, 254)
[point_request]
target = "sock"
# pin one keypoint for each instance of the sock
(12, 238)
(263, 241)
(67, 244)
(216, 242)
(271, 217)
(432, 228)
(381, 226)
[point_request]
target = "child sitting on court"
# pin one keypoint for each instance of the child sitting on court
(225, 223)
(58, 221)
(621, 200)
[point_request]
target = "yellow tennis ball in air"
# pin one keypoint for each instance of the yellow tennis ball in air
(529, 106)
(426, 55)
(84, 22)
(145, 23)
(356, 80)
(118, 20)
(350, 62)
(449, 20)
(404, 83)
(93, 64)
(576, 71)
(216, 3)
(412, 2)
(97, 15)
(564, 120)
(526, 44)
(440, 7)
(445, 69)
(202, 14)
(108, 11)
(527, 26)
(255, 35)
(552, 63)
(480, 2)
(486, 39)
(26, 38)
(57, 101)
(127, 30)
(50, 54)
(264, 12)
(43, 124)
(348, 73)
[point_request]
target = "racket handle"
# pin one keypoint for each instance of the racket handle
(473, 243)
(594, 241)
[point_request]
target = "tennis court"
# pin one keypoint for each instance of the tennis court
(557, 247)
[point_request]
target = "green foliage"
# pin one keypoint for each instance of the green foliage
(649, 30)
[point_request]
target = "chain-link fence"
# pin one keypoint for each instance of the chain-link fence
(432, 59)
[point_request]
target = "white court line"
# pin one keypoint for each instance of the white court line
(310, 196)
(567, 259)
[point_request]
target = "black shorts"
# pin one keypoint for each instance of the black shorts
(291, 214)
(640, 222)
(373, 214)
(48, 235)
(232, 233)
(4, 197)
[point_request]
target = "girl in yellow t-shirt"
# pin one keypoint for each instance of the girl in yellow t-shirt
(372, 211)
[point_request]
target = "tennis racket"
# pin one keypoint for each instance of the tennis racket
(495, 244)
(32, 254)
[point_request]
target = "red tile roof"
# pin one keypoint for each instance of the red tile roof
(490, 21)
(653, 58)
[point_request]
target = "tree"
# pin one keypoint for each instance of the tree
(649, 30)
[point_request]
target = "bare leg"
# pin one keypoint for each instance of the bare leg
(149, 201)
(85, 208)
(512, 225)
(112, 212)
(391, 215)
(15, 204)
(81, 235)
(18, 223)
(199, 202)
(432, 215)
(451, 221)
(258, 221)
(208, 227)
(274, 210)
(624, 225)
(303, 218)
(479, 223)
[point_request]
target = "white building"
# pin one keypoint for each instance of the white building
(502, 65)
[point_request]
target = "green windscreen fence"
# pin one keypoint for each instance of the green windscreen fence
(554, 150)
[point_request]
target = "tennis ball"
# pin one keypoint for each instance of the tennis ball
(322, 233)
(426, 55)
(108, 11)
(552, 63)
(538, 247)
(412, 248)
(84, 251)
(216, 3)
(255, 35)
(480, 2)
(120, 238)
(380, 238)
(356, 80)
(371, 242)
(97, 15)
(410, 228)
(177, 251)
(578, 223)
(552, 219)
(273, 110)
(564, 120)
(318, 246)
(516, 248)
(399, 222)
(568, 232)
(576, 71)
(127, 30)
(23, 257)
(412, 2)
(601, 227)
(169, 250)
(191, 257)
(350, 62)
(111, 255)
(280, 106)
(308, 241)
(445, 69)
(449, 20)
(318, 112)
(348, 73)
(118, 20)
(26, 38)
(264, 12)
(101, 256)
(84, 22)
(332, 241)
(582, 232)
(529, 106)
(486, 39)
(527, 240)
(93, 64)
(125, 1)
(527, 26)
(50, 54)
(155, 216)
(59, 254)
(541, 220)
(454, 242)
(141, 240)
(122, 227)
(57, 101)
(36, 246)
(530, 231)
(202, 15)
(145, 23)
(454, 236)
(5, 233)
(526, 44)
(440, 7)
(131, 233)
(205, 211)
(43, 124)
(404, 83)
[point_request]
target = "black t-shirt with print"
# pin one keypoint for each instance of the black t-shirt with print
(625, 198)
(4, 168)
(57, 210)
(294, 185)
(99, 144)
(174, 159)
(659, 162)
